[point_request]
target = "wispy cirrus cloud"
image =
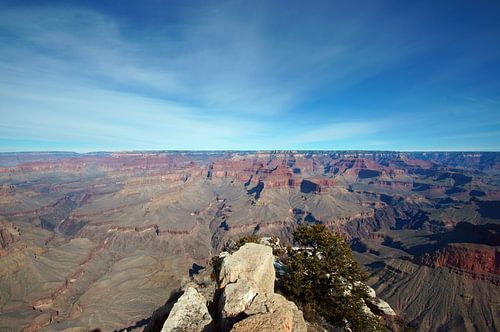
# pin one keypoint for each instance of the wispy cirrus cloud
(238, 75)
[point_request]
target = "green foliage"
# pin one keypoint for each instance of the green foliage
(323, 276)
(246, 239)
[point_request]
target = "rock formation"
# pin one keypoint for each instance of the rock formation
(474, 258)
(8, 235)
(189, 313)
(241, 298)
(271, 312)
(378, 306)
(253, 262)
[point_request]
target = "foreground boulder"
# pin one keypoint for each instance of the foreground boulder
(379, 307)
(271, 312)
(252, 262)
(239, 298)
(189, 313)
(248, 301)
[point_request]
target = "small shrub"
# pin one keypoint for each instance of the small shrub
(232, 246)
(246, 239)
(324, 278)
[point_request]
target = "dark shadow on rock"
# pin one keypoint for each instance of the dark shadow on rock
(420, 186)
(463, 232)
(139, 323)
(458, 179)
(213, 309)
(424, 172)
(307, 187)
(368, 173)
(477, 193)
(195, 269)
(489, 209)
(224, 225)
(454, 190)
(389, 242)
(256, 190)
(309, 218)
(358, 245)
(376, 265)
(72, 227)
(414, 220)
(386, 199)
(246, 184)
(256, 229)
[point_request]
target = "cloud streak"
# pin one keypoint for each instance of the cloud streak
(236, 76)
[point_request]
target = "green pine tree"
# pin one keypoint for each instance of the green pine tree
(324, 278)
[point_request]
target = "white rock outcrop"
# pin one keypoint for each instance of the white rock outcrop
(380, 307)
(237, 297)
(253, 262)
(189, 313)
(248, 277)
(376, 305)
(272, 312)
(245, 300)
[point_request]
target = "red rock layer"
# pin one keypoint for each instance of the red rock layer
(473, 258)
(278, 173)
(116, 161)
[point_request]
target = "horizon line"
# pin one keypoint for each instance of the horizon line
(243, 150)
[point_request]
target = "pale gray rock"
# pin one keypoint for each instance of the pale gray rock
(247, 301)
(237, 297)
(252, 262)
(371, 292)
(272, 312)
(189, 313)
(380, 307)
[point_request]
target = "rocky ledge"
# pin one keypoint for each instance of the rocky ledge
(236, 293)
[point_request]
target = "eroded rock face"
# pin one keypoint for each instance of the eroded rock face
(272, 312)
(376, 306)
(189, 313)
(473, 258)
(245, 300)
(248, 277)
(380, 307)
(253, 262)
(8, 235)
(237, 297)
(265, 322)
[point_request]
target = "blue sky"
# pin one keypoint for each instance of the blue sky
(250, 75)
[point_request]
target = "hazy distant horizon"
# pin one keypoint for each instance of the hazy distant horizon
(242, 151)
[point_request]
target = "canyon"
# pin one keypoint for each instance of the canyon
(101, 240)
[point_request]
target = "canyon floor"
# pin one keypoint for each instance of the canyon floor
(100, 240)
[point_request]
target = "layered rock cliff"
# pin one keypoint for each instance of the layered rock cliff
(474, 258)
